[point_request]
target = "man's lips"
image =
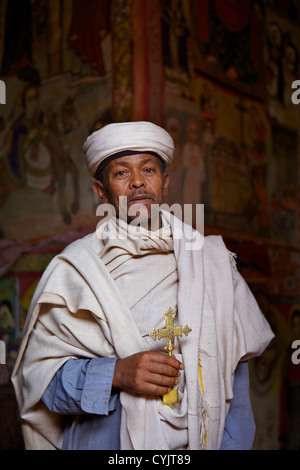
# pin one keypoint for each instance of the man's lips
(140, 199)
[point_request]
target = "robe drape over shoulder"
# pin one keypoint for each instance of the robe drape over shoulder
(93, 277)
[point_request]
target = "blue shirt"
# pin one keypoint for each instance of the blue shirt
(82, 389)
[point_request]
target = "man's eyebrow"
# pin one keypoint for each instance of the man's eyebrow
(113, 164)
(128, 163)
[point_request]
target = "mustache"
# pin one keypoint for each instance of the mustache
(141, 192)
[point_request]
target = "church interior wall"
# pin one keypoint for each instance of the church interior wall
(221, 77)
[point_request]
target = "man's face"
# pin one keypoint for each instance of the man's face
(137, 177)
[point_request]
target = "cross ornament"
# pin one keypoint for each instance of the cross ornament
(169, 333)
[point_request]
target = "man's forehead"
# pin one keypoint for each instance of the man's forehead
(135, 159)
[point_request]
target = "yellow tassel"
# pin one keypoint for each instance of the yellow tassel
(202, 390)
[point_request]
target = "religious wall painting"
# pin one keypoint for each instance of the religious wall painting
(187, 171)
(122, 49)
(68, 36)
(52, 105)
(281, 65)
(246, 171)
(283, 185)
(226, 42)
(148, 74)
(16, 291)
(230, 149)
(251, 47)
(90, 26)
(285, 271)
(275, 379)
(48, 181)
(176, 46)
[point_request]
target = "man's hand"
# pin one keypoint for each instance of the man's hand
(148, 372)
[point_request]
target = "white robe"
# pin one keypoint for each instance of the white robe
(213, 299)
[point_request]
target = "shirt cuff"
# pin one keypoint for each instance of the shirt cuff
(97, 396)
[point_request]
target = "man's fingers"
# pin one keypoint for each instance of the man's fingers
(162, 375)
(162, 380)
(156, 384)
(164, 369)
(164, 359)
(150, 372)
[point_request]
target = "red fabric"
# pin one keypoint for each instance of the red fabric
(234, 14)
(90, 18)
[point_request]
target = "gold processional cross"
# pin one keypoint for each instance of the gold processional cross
(169, 333)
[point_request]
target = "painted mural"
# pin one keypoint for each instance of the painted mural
(217, 74)
(229, 67)
(52, 105)
(231, 73)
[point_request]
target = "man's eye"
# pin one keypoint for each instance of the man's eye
(120, 173)
(149, 170)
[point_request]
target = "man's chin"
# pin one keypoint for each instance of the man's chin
(143, 215)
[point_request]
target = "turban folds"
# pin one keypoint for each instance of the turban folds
(117, 139)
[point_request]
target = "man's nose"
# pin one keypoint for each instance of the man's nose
(137, 181)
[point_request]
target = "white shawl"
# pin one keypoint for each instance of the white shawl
(213, 299)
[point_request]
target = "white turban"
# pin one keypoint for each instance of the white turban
(117, 139)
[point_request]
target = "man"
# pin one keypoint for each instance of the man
(88, 374)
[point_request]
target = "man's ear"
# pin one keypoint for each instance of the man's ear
(99, 190)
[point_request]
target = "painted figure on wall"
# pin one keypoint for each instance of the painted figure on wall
(281, 69)
(282, 61)
(90, 24)
(176, 43)
(194, 165)
(239, 188)
(35, 152)
(229, 33)
(274, 64)
(62, 46)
